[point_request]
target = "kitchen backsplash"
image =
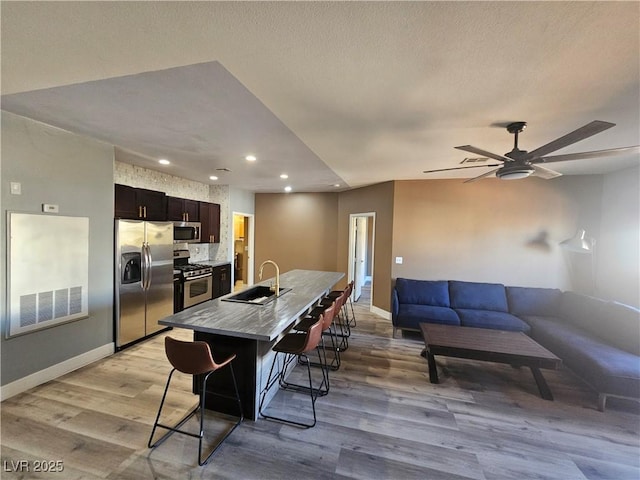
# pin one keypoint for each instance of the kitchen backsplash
(140, 177)
(174, 186)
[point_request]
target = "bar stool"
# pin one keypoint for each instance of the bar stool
(327, 314)
(352, 321)
(349, 290)
(194, 358)
(341, 329)
(292, 346)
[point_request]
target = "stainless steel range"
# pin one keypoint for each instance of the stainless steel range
(193, 280)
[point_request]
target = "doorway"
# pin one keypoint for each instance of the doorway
(242, 250)
(361, 253)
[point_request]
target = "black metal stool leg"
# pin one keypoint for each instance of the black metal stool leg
(279, 377)
(322, 363)
(353, 313)
(202, 409)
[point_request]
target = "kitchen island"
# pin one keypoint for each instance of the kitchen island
(250, 331)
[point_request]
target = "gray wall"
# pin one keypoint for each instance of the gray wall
(241, 201)
(76, 173)
(617, 251)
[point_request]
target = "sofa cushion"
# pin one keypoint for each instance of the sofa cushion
(533, 301)
(491, 319)
(423, 292)
(478, 296)
(606, 368)
(409, 316)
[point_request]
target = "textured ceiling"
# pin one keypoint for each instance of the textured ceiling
(328, 92)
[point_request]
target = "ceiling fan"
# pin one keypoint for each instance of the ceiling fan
(521, 164)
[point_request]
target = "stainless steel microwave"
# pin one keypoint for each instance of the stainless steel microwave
(188, 232)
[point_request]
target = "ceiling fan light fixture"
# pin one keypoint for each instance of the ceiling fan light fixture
(518, 164)
(509, 172)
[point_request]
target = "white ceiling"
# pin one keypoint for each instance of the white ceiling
(329, 92)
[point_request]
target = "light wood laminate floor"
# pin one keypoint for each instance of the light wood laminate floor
(381, 420)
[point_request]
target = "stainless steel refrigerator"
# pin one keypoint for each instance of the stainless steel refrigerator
(144, 278)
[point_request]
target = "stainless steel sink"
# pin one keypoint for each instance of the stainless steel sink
(258, 295)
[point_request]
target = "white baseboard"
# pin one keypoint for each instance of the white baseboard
(380, 312)
(55, 371)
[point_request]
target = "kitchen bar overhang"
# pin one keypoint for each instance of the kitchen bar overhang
(250, 331)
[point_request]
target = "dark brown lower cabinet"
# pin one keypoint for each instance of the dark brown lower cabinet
(221, 280)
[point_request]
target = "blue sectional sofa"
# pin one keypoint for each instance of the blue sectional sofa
(598, 340)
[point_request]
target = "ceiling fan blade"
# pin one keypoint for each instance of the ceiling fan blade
(459, 168)
(612, 152)
(545, 173)
(581, 133)
(484, 153)
(486, 174)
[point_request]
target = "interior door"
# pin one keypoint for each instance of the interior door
(360, 258)
(243, 244)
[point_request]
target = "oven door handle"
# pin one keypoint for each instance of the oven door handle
(198, 277)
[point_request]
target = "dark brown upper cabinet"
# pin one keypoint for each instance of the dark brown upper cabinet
(209, 222)
(182, 210)
(140, 203)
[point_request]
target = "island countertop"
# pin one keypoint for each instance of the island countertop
(258, 322)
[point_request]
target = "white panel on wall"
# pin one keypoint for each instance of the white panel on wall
(48, 270)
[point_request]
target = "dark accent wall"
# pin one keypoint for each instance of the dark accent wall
(379, 200)
(75, 173)
(296, 230)
(311, 231)
(494, 230)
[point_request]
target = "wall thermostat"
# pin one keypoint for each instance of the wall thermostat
(49, 208)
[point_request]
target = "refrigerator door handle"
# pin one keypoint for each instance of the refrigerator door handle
(146, 266)
(149, 262)
(143, 263)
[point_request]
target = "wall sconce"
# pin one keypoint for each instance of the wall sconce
(579, 243)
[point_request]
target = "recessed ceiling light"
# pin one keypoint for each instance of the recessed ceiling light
(213, 177)
(287, 188)
(336, 185)
(164, 161)
(284, 176)
(250, 158)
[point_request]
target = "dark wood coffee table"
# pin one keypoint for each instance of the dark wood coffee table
(489, 345)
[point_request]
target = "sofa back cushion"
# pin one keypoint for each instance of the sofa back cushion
(478, 296)
(586, 312)
(534, 301)
(423, 292)
(621, 327)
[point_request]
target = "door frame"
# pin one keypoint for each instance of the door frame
(352, 247)
(250, 246)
